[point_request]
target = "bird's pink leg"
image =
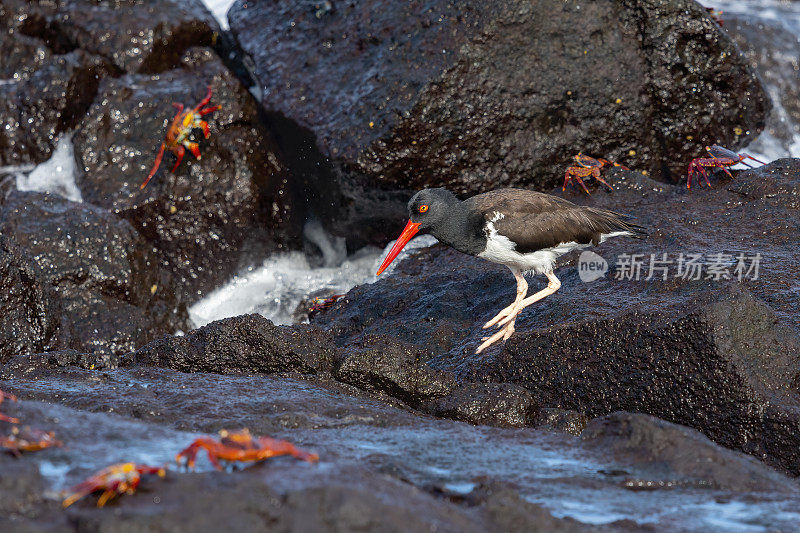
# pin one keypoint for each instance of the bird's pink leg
(552, 286)
(522, 290)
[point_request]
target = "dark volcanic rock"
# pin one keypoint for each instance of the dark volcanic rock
(452, 93)
(566, 420)
(380, 363)
(372, 456)
(491, 404)
(212, 214)
(30, 308)
(248, 343)
(725, 367)
(717, 353)
(769, 43)
(110, 291)
(147, 36)
(38, 105)
(668, 454)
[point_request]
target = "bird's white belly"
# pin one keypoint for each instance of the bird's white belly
(500, 249)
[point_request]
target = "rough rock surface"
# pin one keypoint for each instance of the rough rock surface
(769, 44)
(211, 215)
(495, 404)
(666, 453)
(719, 355)
(450, 93)
(147, 36)
(92, 269)
(380, 466)
(241, 344)
(38, 105)
(379, 363)
(31, 311)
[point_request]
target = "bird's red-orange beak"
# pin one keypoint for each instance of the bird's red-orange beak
(410, 230)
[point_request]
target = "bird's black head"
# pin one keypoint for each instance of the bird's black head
(431, 207)
(427, 210)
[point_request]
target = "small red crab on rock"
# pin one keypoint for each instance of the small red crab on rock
(179, 133)
(28, 440)
(114, 480)
(4, 418)
(241, 446)
(721, 157)
(588, 166)
(320, 304)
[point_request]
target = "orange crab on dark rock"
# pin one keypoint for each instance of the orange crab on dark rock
(241, 446)
(114, 480)
(4, 418)
(28, 440)
(588, 166)
(179, 132)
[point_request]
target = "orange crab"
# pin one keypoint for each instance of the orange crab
(177, 139)
(121, 478)
(7, 396)
(721, 157)
(588, 166)
(320, 304)
(241, 446)
(28, 440)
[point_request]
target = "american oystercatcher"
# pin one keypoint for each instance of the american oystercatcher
(523, 230)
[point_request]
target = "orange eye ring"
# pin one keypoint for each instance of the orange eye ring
(423, 208)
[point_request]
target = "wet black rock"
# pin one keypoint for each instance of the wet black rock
(248, 343)
(147, 36)
(451, 93)
(714, 351)
(490, 404)
(110, 291)
(211, 216)
(666, 454)
(380, 363)
(44, 100)
(769, 44)
(30, 308)
(566, 420)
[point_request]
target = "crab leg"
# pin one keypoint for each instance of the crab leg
(181, 151)
(596, 174)
(193, 147)
(155, 166)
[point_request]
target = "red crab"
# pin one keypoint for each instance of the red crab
(321, 304)
(715, 14)
(721, 157)
(28, 440)
(241, 446)
(588, 166)
(7, 396)
(122, 478)
(177, 139)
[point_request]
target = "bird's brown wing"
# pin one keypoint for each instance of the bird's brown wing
(534, 221)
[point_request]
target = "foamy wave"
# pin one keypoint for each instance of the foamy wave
(54, 176)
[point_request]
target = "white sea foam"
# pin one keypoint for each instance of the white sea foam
(54, 176)
(219, 8)
(283, 281)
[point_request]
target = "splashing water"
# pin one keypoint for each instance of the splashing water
(54, 176)
(219, 8)
(283, 281)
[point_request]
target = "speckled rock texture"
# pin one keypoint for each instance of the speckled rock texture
(89, 282)
(212, 215)
(415, 94)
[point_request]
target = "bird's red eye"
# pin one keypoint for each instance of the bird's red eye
(423, 208)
